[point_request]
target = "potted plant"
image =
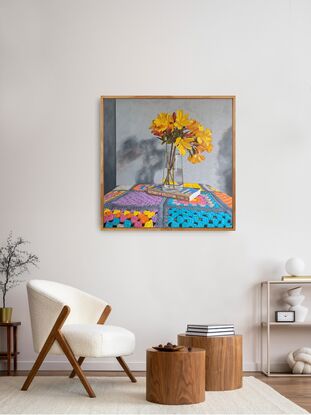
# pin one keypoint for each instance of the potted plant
(14, 261)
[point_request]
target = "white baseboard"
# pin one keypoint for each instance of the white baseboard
(106, 365)
(274, 367)
(251, 367)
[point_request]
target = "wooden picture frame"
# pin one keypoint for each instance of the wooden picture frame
(108, 123)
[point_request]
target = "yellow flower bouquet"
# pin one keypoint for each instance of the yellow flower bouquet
(182, 136)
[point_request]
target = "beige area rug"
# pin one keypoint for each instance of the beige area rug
(117, 395)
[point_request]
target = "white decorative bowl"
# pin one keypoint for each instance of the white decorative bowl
(294, 291)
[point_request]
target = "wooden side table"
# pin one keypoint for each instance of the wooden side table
(223, 369)
(9, 352)
(176, 378)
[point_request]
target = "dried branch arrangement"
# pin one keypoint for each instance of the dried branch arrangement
(14, 262)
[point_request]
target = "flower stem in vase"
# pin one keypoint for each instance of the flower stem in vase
(173, 177)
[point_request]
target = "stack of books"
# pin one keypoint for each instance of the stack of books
(186, 193)
(210, 330)
(301, 278)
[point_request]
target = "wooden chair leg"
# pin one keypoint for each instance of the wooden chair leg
(46, 347)
(48, 344)
(70, 356)
(73, 372)
(126, 369)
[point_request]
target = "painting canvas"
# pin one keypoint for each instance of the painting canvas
(168, 163)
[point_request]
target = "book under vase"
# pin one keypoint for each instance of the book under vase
(183, 193)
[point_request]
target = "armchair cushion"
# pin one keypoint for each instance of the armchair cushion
(46, 300)
(95, 340)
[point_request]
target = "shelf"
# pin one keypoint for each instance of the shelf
(267, 331)
(4, 355)
(286, 282)
(274, 323)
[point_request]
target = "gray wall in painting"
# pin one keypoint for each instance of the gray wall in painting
(109, 145)
(140, 156)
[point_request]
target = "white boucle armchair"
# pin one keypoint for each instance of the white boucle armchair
(68, 321)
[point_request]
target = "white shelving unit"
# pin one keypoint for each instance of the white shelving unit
(267, 325)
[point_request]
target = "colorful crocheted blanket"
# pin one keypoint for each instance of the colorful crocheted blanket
(134, 208)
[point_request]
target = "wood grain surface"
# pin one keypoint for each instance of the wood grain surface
(223, 360)
(175, 378)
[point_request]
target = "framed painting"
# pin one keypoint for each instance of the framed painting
(167, 162)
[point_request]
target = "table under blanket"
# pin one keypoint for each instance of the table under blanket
(134, 208)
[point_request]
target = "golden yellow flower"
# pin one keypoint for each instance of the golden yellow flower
(196, 158)
(183, 144)
(205, 135)
(204, 146)
(162, 122)
(187, 135)
(195, 127)
(181, 120)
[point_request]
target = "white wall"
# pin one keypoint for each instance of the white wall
(58, 57)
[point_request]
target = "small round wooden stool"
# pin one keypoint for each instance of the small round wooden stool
(176, 378)
(223, 360)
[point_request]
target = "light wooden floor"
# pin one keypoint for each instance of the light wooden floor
(296, 389)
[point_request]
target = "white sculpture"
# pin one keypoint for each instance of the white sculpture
(300, 360)
(293, 299)
(295, 266)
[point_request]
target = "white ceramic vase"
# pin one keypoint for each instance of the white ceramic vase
(293, 300)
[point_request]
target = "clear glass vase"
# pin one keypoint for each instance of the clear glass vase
(173, 178)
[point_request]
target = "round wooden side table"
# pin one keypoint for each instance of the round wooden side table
(223, 369)
(176, 378)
